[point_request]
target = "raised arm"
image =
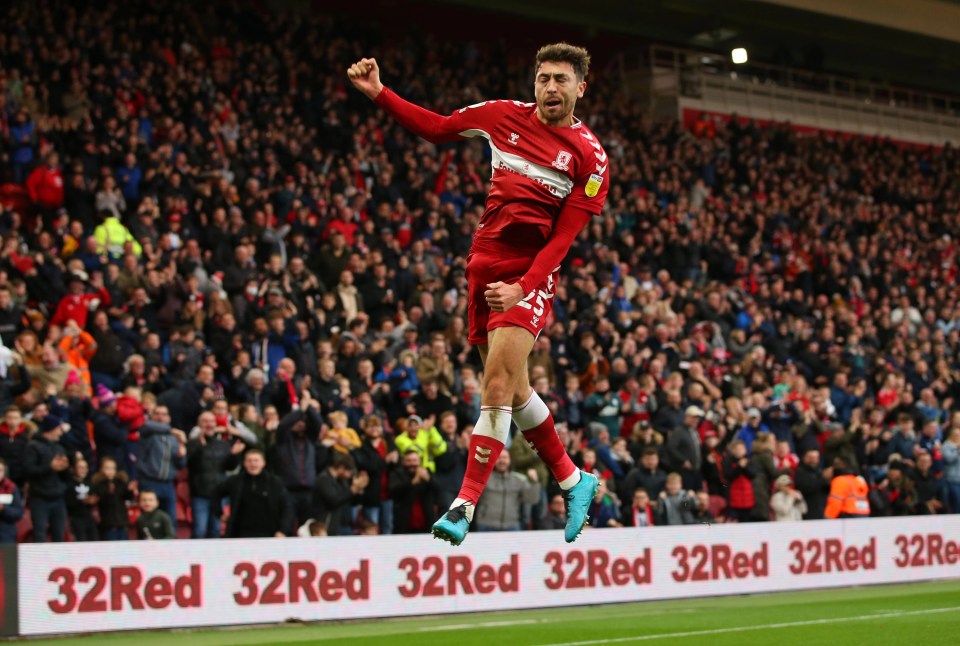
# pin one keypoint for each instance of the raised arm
(435, 128)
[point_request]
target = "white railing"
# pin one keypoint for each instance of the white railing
(709, 82)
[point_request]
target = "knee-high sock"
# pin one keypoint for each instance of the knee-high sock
(536, 423)
(486, 443)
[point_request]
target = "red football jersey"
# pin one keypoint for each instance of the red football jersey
(536, 168)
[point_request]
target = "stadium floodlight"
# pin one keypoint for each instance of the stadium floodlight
(738, 56)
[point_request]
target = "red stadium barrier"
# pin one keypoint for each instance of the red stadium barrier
(81, 587)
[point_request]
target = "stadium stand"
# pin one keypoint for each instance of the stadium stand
(211, 243)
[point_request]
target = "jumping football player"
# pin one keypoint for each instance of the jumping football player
(549, 178)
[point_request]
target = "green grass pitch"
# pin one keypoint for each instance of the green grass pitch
(920, 613)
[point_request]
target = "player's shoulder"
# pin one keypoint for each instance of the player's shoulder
(591, 149)
(588, 140)
(499, 106)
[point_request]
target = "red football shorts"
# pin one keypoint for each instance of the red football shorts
(532, 313)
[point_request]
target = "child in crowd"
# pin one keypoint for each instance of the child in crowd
(676, 505)
(80, 503)
(111, 487)
(153, 523)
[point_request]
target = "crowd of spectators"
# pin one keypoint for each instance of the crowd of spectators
(232, 290)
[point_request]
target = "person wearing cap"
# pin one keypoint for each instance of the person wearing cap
(110, 434)
(754, 425)
(682, 453)
(46, 467)
(429, 443)
(787, 503)
(76, 305)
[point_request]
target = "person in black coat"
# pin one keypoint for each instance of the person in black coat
(259, 504)
(647, 475)
(810, 481)
(75, 410)
(414, 496)
(15, 435)
(110, 434)
(452, 463)
(683, 453)
(294, 454)
(336, 489)
(16, 382)
(45, 465)
(376, 455)
(209, 457)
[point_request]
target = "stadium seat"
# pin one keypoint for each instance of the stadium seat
(718, 504)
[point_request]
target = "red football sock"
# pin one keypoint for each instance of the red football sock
(547, 444)
(484, 452)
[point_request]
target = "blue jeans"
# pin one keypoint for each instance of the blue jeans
(953, 496)
(117, 534)
(166, 495)
(382, 516)
(205, 523)
(48, 514)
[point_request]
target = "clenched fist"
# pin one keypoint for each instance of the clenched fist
(365, 76)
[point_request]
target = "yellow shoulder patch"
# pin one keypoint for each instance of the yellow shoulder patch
(593, 185)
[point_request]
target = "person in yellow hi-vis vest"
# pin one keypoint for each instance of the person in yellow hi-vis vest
(112, 236)
(848, 493)
(426, 441)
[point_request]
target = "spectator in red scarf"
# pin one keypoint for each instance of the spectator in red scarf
(641, 514)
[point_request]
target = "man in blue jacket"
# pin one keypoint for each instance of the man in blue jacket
(163, 452)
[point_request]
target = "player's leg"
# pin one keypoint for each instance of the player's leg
(504, 367)
(534, 420)
(454, 524)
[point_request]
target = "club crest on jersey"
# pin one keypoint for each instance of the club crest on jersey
(514, 138)
(562, 162)
(593, 185)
